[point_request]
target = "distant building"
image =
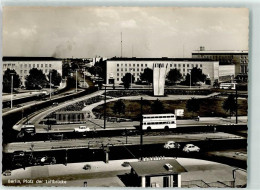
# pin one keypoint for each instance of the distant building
(226, 57)
(159, 75)
(22, 65)
(118, 67)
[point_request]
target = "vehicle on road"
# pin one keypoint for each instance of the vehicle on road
(81, 129)
(28, 129)
(159, 121)
(228, 86)
(55, 103)
(43, 160)
(171, 145)
(191, 148)
(7, 173)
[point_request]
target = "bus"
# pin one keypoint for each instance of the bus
(158, 121)
(228, 86)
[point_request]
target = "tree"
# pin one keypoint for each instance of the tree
(66, 69)
(193, 105)
(35, 79)
(157, 107)
(174, 75)
(119, 107)
(147, 75)
(7, 80)
(230, 104)
(196, 76)
(127, 80)
(55, 77)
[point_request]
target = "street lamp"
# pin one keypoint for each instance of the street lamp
(190, 78)
(12, 81)
(76, 80)
(50, 85)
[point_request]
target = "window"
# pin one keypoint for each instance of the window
(125, 69)
(142, 69)
(117, 69)
(117, 79)
(174, 65)
(188, 65)
(117, 65)
(25, 65)
(170, 65)
(200, 65)
(137, 65)
(122, 69)
(121, 65)
(37, 65)
(46, 70)
(183, 65)
(179, 65)
(46, 65)
(192, 65)
(142, 65)
(121, 74)
(134, 65)
(146, 65)
(183, 70)
(29, 65)
(41, 65)
(25, 71)
(130, 65)
(125, 65)
(137, 69)
(196, 65)
(117, 74)
(133, 69)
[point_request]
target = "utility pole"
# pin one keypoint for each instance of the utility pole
(50, 85)
(76, 80)
(236, 104)
(141, 130)
(12, 81)
(190, 79)
(105, 107)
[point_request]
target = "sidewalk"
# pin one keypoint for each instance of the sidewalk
(106, 175)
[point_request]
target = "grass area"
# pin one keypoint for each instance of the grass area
(208, 108)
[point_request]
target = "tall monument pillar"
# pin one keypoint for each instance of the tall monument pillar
(159, 75)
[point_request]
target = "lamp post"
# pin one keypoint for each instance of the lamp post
(12, 84)
(76, 80)
(131, 77)
(190, 78)
(50, 85)
(84, 79)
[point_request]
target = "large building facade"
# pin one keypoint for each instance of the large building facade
(22, 65)
(118, 67)
(227, 57)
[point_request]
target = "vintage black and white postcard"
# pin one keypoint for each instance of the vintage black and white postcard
(125, 97)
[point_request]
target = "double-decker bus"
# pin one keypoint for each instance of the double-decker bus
(228, 86)
(158, 121)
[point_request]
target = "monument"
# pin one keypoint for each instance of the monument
(159, 74)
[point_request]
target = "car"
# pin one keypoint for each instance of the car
(44, 160)
(191, 148)
(87, 167)
(7, 173)
(171, 145)
(81, 129)
(55, 103)
(125, 164)
(18, 153)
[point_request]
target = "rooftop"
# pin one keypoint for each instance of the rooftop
(156, 59)
(225, 52)
(157, 167)
(14, 58)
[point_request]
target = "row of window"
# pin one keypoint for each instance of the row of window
(130, 65)
(158, 123)
(171, 65)
(130, 69)
(25, 65)
(152, 117)
(27, 72)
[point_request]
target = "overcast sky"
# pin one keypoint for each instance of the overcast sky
(147, 32)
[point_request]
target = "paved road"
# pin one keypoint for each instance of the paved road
(115, 141)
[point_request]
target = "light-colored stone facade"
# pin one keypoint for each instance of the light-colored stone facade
(118, 67)
(22, 65)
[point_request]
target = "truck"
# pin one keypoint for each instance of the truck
(81, 129)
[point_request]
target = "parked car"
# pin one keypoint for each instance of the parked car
(125, 164)
(171, 145)
(7, 173)
(44, 160)
(191, 148)
(81, 129)
(87, 167)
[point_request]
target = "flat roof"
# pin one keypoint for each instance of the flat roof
(157, 59)
(15, 58)
(158, 114)
(217, 52)
(156, 167)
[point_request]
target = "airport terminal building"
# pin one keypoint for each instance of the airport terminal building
(22, 65)
(118, 67)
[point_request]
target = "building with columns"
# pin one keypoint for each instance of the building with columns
(23, 65)
(118, 67)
